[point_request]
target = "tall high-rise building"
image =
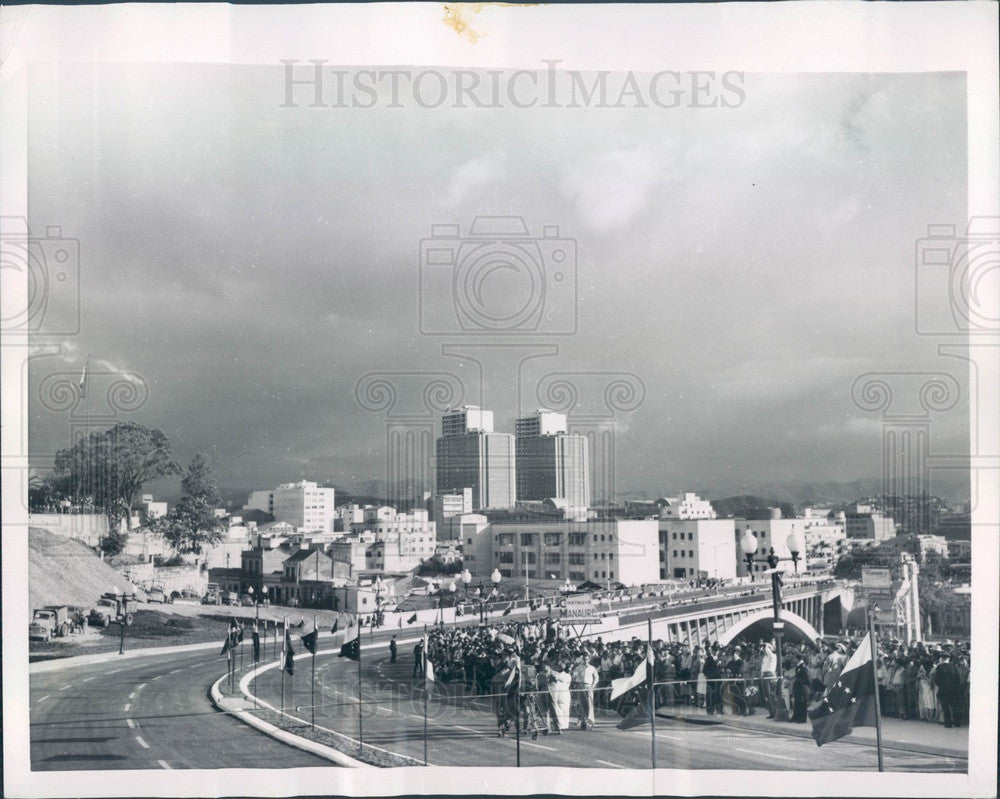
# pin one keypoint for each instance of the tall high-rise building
(471, 455)
(552, 463)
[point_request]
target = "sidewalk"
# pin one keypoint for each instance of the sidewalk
(915, 736)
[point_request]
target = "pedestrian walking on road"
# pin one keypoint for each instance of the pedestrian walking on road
(392, 649)
(418, 659)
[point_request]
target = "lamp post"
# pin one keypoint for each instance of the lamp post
(466, 579)
(748, 543)
(123, 617)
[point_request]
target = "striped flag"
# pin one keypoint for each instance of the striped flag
(625, 684)
(848, 703)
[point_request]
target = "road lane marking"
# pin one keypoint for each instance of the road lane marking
(42, 698)
(142, 743)
(132, 695)
(128, 707)
(761, 754)
(65, 687)
(163, 764)
(537, 746)
(175, 671)
(130, 723)
(140, 686)
(606, 763)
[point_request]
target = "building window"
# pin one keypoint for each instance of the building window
(553, 539)
(577, 539)
(553, 558)
(675, 553)
(505, 557)
(673, 536)
(577, 559)
(595, 556)
(527, 539)
(690, 553)
(505, 539)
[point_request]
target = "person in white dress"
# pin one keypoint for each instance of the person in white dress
(559, 683)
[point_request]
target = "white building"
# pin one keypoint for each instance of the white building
(771, 533)
(604, 551)
(305, 505)
(392, 541)
(446, 505)
(863, 523)
(697, 548)
(552, 463)
(153, 509)
(687, 506)
(471, 455)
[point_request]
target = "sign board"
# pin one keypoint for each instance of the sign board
(885, 616)
(879, 593)
(579, 610)
(876, 578)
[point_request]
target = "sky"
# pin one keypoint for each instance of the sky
(249, 264)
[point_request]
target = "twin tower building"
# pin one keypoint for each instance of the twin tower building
(541, 461)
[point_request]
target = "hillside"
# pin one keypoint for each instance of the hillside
(64, 571)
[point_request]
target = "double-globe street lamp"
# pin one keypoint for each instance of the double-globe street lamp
(796, 544)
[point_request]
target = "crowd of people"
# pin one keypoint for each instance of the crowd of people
(533, 672)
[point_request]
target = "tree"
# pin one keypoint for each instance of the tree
(111, 467)
(114, 542)
(191, 524)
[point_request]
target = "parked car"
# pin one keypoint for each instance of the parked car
(155, 595)
(103, 613)
(49, 622)
(230, 598)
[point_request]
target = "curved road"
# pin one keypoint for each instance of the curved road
(145, 712)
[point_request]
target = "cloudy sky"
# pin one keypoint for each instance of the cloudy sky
(251, 263)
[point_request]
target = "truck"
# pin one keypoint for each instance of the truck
(103, 613)
(49, 622)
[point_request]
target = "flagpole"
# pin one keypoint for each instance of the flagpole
(424, 656)
(878, 706)
(361, 733)
(517, 716)
(313, 686)
(281, 665)
(652, 693)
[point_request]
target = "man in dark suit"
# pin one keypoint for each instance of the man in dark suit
(418, 659)
(949, 684)
(392, 649)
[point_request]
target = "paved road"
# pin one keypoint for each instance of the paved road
(147, 712)
(462, 730)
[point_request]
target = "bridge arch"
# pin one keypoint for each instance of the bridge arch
(795, 627)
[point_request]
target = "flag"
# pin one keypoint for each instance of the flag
(428, 665)
(352, 649)
(458, 611)
(336, 624)
(510, 607)
(848, 703)
(624, 684)
(83, 378)
(412, 619)
(400, 622)
(289, 654)
(256, 647)
(637, 717)
(227, 645)
(309, 641)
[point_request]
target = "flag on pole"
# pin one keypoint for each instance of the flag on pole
(83, 378)
(625, 684)
(509, 608)
(233, 636)
(849, 702)
(637, 717)
(352, 649)
(336, 624)
(256, 645)
(289, 653)
(412, 619)
(400, 622)
(309, 640)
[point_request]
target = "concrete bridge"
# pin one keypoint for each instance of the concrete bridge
(809, 609)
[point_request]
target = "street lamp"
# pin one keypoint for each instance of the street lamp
(122, 617)
(748, 543)
(466, 579)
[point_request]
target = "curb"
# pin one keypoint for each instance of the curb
(55, 664)
(296, 741)
(918, 748)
